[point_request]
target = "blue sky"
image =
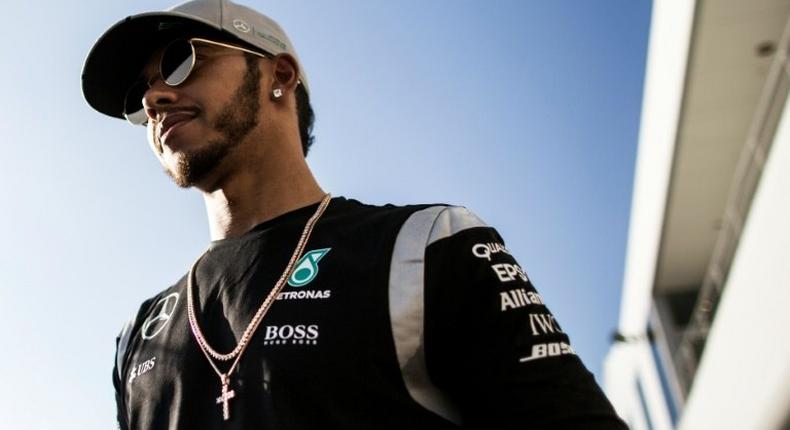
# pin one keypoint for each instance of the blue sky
(526, 112)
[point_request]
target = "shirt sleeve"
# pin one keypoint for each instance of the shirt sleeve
(492, 344)
(121, 343)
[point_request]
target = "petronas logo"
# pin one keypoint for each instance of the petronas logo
(307, 267)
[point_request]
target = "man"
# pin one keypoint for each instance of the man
(305, 311)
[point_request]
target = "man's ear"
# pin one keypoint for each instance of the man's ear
(285, 73)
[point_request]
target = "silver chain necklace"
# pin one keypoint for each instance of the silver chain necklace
(210, 353)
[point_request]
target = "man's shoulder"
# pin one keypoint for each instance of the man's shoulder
(356, 212)
(360, 208)
(166, 299)
(170, 293)
(442, 218)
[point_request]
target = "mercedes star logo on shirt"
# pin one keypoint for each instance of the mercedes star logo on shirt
(160, 316)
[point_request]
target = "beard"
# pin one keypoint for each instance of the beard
(234, 122)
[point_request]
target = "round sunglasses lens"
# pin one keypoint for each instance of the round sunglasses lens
(133, 103)
(176, 62)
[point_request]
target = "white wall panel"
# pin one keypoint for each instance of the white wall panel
(744, 376)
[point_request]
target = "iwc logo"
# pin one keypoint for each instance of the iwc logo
(241, 25)
(160, 315)
(307, 267)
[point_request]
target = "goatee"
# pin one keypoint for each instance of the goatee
(234, 121)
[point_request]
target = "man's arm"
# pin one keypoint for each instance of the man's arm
(121, 344)
(492, 344)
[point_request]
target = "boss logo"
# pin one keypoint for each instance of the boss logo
(287, 334)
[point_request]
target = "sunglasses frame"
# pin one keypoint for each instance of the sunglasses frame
(139, 117)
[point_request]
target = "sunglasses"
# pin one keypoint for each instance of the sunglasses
(175, 65)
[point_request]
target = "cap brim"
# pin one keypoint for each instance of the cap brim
(118, 56)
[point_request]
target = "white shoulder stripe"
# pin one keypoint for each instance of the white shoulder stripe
(452, 220)
(123, 345)
(406, 299)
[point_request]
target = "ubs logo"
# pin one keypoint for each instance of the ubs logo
(160, 316)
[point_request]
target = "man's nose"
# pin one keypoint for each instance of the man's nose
(158, 96)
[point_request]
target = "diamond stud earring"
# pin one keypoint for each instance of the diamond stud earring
(277, 93)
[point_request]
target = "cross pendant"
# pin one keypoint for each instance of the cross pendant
(225, 397)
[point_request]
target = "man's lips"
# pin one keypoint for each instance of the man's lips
(172, 120)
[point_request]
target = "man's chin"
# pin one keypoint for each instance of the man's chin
(188, 176)
(192, 169)
(181, 180)
(178, 167)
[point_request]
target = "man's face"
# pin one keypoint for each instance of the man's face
(194, 126)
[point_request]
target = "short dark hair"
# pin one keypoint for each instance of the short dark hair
(306, 116)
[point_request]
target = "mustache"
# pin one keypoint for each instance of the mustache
(169, 110)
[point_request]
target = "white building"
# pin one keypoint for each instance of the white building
(704, 329)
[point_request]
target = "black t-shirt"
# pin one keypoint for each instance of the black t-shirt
(394, 318)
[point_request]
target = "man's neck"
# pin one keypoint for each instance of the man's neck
(247, 199)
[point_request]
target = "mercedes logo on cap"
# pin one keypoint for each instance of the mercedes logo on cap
(162, 312)
(241, 25)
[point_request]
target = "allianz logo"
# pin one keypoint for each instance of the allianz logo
(287, 334)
